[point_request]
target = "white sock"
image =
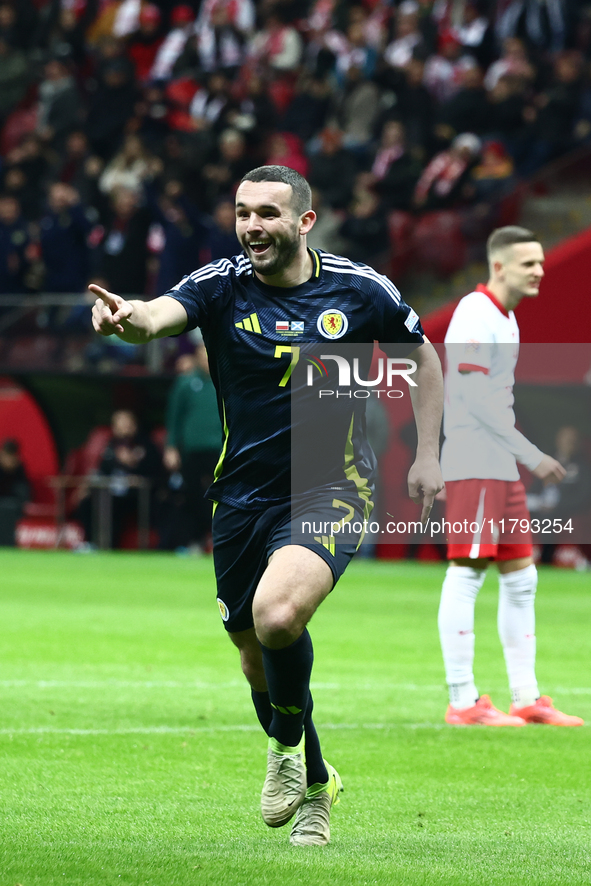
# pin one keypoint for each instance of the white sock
(517, 630)
(456, 632)
(462, 695)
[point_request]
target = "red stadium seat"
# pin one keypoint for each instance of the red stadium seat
(400, 230)
(439, 244)
(92, 450)
(510, 206)
(19, 123)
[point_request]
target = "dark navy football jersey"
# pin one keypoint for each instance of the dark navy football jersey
(255, 337)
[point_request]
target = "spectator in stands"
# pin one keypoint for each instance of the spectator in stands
(64, 229)
(286, 149)
(476, 34)
(229, 164)
(356, 109)
(443, 72)
(356, 52)
(182, 21)
(210, 106)
(241, 14)
(129, 168)
(543, 24)
(366, 228)
(220, 45)
(407, 35)
(150, 121)
(61, 30)
(466, 110)
(144, 43)
(223, 242)
(111, 105)
(278, 46)
(17, 23)
(78, 167)
(14, 241)
(194, 439)
(15, 77)
(26, 172)
(14, 490)
(514, 62)
(255, 114)
(442, 182)
(325, 233)
(551, 116)
(506, 105)
(494, 174)
(186, 231)
(415, 109)
(129, 453)
(307, 112)
(394, 171)
(60, 108)
(69, 166)
(122, 255)
(333, 169)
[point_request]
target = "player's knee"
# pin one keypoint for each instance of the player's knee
(519, 587)
(277, 624)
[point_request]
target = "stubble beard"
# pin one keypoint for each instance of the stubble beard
(283, 250)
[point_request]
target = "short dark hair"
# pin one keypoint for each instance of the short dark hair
(301, 198)
(508, 236)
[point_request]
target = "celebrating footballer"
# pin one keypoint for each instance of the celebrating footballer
(269, 587)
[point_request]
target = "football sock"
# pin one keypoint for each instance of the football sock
(263, 708)
(462, 695)
(517, 630)
(456, 631)
(287, 672)
(316, 771)
(524, 696)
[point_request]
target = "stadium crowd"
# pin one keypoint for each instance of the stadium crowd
(126, 125)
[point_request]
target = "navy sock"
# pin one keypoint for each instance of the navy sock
(287, 672)
(263, 708)
(315, 769)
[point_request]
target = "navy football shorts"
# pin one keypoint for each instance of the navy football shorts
(243, 541)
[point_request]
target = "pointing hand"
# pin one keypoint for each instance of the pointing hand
(109, 311)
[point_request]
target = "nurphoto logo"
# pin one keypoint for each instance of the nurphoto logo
(388, 370)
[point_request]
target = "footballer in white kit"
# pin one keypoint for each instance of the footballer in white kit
(486, 509)
(482, 445)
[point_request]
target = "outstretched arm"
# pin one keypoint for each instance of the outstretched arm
(136, 321)
(424, 477)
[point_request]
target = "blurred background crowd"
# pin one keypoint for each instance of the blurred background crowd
(126, 125)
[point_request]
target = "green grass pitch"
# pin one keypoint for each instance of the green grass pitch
(131, 755)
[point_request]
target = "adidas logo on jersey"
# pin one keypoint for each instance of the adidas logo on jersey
(250, 324)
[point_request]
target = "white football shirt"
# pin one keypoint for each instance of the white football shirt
(481, 440)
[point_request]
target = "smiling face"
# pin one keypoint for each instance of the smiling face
(520, 268)
(268, 228)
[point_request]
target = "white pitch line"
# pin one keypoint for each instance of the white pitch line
(196, 684)
(241, 684)
(190, 730)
